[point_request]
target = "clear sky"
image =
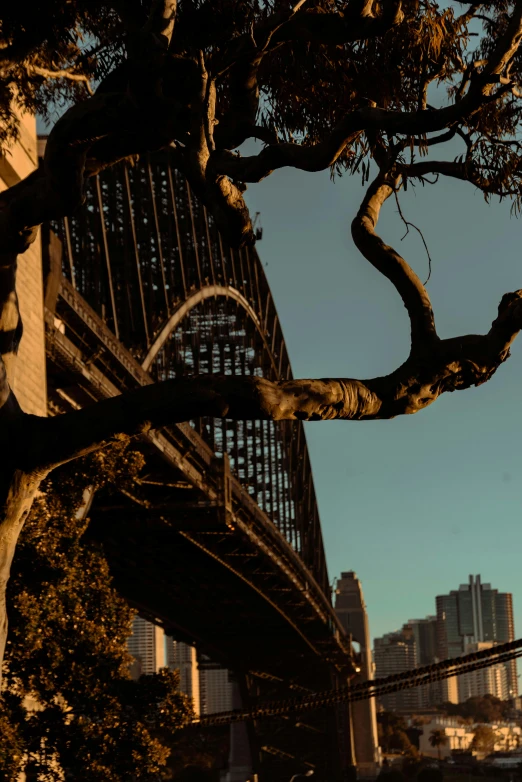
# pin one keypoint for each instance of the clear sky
(416, 504)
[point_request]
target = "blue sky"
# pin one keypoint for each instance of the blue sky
(416, 504)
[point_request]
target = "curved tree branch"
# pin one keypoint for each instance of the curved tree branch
(467, 171)
(386, 260)
(357, 22)
(452, 364)
(322, 155)
(161, 19)
(238, 122)
(62, 73)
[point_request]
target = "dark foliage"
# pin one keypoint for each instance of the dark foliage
(480, 709)
(70, 700)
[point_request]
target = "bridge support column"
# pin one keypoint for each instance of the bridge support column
(345, 738)
(240, 757)
(27, 374)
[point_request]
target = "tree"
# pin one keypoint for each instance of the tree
(484, 739)
(69, 701)
(438, 739)
(392, 730)
(323, 84)
(487, 708)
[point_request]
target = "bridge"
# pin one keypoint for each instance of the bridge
(220, 542)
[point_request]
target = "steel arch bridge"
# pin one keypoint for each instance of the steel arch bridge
(221, 541)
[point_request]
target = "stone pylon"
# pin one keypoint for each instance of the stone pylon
(27, 376)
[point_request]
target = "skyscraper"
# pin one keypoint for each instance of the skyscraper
(394, 653)
(215, 687)
(473, 614)
(425, 635)
(147, 646)
(491, 680)
(351, 610)
(152, 650)
(183, 658)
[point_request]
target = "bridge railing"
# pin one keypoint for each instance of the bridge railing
(148, 259)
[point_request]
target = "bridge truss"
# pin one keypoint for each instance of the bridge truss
(221, 541)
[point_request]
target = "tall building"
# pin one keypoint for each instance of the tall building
(215, 687)
(476, 613)
(351, 610)
(147, 646)
(152, 650)
(183, 658)
(492, 680)
(425, 635)
(394, 653)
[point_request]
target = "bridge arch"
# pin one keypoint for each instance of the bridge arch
(207, 292)
(155, 270)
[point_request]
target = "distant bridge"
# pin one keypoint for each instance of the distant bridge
(221, 541)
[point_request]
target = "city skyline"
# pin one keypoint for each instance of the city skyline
(426, 614)
(472, 617)
(208, 684)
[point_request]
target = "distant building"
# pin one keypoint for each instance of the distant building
(475, 613)
(351, 610)
(215, 687)
(394, 653)
(183, 658)
(492, 680)
(425, 635)
(147, 646)
(151, 650)
(459, 736)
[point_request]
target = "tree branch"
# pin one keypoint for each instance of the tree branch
(467, 171)
(386, 260)
(357, 22)
(161, 19)
(323, 154)
(245, 55)
(10, 323)
(238, 122)
(450, 365)
(62, 73)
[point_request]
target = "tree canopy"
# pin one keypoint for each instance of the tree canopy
(70, 706)
(484, 738)
(381, 89)
(480, 709)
